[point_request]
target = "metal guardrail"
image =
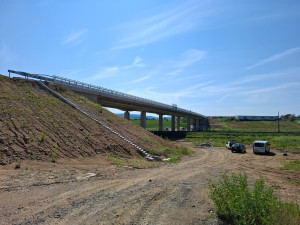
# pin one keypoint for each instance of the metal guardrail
(100, 90)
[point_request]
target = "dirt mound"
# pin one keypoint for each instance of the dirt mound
(35, 125)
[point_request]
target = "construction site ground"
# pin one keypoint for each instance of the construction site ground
(66, 193)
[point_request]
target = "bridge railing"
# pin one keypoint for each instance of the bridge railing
(101, 90)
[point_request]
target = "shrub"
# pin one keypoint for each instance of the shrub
(236, 203)
(18, 166)
(43, 137)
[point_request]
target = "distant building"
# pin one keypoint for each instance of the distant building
(257, 118)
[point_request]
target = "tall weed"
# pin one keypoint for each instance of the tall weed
(237, 203)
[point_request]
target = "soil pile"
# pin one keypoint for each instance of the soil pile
(35, 125)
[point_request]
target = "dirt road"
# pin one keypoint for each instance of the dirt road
(170, 194)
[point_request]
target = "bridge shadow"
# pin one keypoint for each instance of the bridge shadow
(266, 154)
(171, 135)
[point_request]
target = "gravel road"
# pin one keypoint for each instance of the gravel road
(170, 194)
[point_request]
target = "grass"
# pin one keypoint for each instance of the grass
(153, 125)
(292, 165)
(175, 154)
(96, 106)
(237, 203)
(277, 140)
(53, 154)
(43, 137)
(255, 126)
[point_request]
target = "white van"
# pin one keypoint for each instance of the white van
(261, 147)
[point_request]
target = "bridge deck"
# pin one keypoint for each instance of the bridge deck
(114, 99)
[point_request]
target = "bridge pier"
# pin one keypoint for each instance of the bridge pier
(173, 123)
(178, 123)
(127, 115)
(143, 119)
(160, 122)
(188, 126)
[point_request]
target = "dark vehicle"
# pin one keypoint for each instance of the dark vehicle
(237, 147)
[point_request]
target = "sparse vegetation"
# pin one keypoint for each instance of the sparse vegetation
(96, 106)
(237, 203)
(121, 162)
(53, 154)
(18, 166)
(292, 165)
(277, 140)
(254, 126)
(43, 137)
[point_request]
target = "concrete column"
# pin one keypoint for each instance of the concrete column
(160, 122)
(178, 123)
(194, 125)
(143, 119)
(127, 115)
(197, 124)
(173, 123)
(188, 125)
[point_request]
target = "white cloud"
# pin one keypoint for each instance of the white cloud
(75, 37)
(188, 58)
(106, 72)
(177, 20)
(141, 79)
(274, 57)
(137, 62)
(171, 97)
(269, 90)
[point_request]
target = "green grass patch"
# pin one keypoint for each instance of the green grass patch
(3, 78)
(292, 165)
(255, 126)
(237, 203)
(145, 139)
(176, 154)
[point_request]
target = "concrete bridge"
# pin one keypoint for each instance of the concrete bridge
(126, 102)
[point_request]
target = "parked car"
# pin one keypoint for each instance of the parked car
(237, 147)
(261, 147)
(230, 143)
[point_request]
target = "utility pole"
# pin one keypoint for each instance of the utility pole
(278, 124)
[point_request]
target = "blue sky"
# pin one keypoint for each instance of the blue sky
(215, 57)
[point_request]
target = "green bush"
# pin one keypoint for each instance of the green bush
(18, 166)
(236, 203)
